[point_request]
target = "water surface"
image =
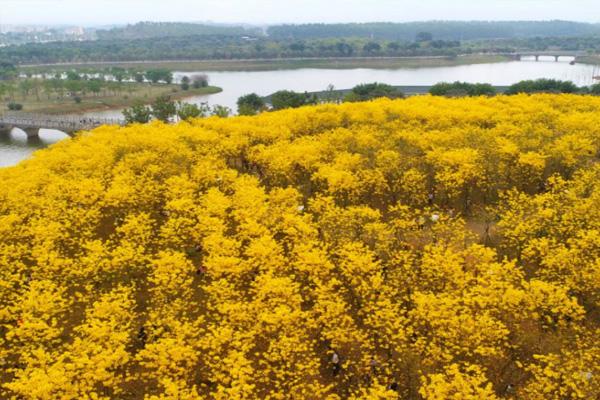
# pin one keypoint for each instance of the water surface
(16, 147)
(235, 84)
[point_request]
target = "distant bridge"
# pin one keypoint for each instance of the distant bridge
(32, 123)
(547, 53)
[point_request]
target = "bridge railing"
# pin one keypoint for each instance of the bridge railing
(51, 121)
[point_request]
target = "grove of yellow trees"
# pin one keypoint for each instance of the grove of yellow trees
(427, 248)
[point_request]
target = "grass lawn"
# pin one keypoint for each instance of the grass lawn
(131, 93)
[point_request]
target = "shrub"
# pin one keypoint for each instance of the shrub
(595, 89)
(289, 99)
(461, 89)
(250, 104)
(12, 106)
(543, 86)
(199, 81)
(370, 91)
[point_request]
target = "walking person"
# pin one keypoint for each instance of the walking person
(335, 361)
(142, 337)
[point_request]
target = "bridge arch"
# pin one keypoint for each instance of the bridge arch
(32, 123)
(556, 54)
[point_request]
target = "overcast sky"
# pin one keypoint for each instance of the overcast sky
(94, 12)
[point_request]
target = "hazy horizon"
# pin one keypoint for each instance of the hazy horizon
(250, 24)
(269, 12)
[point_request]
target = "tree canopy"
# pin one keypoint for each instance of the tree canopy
(370, 91)
(250, 104)
(427, 248)
(8, 71)
(543, 86)
(289, 99)
(457, 89)
(447, 30)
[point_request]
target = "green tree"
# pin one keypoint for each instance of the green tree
(543, 86)
(138, 113)
(331, 95)
(12, 106)
(159, 75)
(221, 111)
(11, 89)
(424, 37)
(595, 89)
(58, 87)
(36, 87)
(153, 76)
(370, 91)
(393, 46)
(185, 83)
(48, 85)
(94, 86)
(73, 76)
(344, 49)
(8, 71)
(199, 81)
(250, 104)
(289, 99)
(163, 108)
(118, 73)
(459, 89)
(25, 86)
(115, 87)
(186, 111)
(372, 48)
(73, 87)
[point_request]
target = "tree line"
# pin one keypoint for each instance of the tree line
(223, 47)
(164, 109)
(462, 89)
(183, 41)
(407, 31)
(113, 81)
(145, 30)
(220, 47)
(447, 30)
(253, 104)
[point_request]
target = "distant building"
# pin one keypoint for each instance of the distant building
(75, 31)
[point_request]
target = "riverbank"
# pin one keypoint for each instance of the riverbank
(592, 60)
(339, 94)
(133, 93)
(278, 64)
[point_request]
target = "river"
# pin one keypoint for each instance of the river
(235, 84)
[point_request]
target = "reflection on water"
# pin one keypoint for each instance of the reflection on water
(15, 146)
(238, 83)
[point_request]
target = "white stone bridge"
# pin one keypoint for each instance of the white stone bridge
(548, 53)
(32, 123)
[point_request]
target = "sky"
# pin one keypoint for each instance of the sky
(103, 12)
